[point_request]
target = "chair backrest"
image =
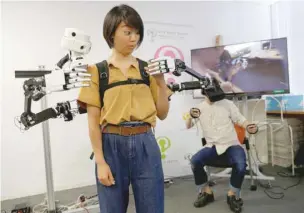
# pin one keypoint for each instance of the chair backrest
(241, 133)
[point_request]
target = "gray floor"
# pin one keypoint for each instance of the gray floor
(180, 195)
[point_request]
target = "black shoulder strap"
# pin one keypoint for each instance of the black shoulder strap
(103, 71)
(144, 75)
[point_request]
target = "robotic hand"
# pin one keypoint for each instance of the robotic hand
(66, 109)
(75, 73)
(70, 72)
(209, 86)
(166, 65)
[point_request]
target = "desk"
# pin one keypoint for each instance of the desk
(288, 114)
(265, 54)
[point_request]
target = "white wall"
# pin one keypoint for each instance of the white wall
(32, 33)
(1, 79)
(287, 18)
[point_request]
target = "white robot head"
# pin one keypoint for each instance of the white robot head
(76, 41)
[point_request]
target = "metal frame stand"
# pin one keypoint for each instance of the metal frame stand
(50, 194)
(254, 169)
(47, 158)
(48, 162)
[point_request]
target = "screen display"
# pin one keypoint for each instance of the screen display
(259, 67)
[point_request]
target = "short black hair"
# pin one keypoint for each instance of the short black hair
(118, 14)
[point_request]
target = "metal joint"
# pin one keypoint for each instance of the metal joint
(103, 75)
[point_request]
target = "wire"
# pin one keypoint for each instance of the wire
(90, 197)
(268, 187)
(279, 195)
(43, 207)
(81, 202)
(256, 153)
(18, 124)
(86, 209)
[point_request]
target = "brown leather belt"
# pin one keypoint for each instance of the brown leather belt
(126, 130)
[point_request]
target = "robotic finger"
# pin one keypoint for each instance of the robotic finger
(75, 69)
(158, 70)
(73, 80)
(154, 63)
(168, 61)
(76, 74)
(161, 65)
(156, 66)
(77, 85)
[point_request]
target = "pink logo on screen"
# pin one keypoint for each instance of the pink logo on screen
(169, 51)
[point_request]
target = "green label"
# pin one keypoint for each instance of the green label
(278, 91)
(164, 144)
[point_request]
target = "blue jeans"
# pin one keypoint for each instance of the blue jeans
(134, 160)
(234, 155)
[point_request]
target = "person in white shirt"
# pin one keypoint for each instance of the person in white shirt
(217, 121)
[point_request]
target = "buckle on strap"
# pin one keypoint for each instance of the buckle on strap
(126, 131)
(133, 81)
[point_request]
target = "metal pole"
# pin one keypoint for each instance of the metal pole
(47, 158)
(245, 113)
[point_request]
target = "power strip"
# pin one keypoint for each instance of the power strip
(21, 210)
(168, 181)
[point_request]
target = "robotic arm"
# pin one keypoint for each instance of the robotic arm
(70, 72)
(209, 86)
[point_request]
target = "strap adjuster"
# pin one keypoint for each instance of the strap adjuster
(132, 81)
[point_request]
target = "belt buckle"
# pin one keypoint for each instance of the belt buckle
(127, 131)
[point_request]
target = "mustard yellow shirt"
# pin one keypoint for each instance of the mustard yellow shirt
(131, 102)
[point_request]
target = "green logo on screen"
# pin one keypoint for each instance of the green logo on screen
(164, 144)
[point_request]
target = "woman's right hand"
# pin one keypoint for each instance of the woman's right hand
(105, 175)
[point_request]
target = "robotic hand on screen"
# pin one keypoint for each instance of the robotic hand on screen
(209, 86)
(70, 72)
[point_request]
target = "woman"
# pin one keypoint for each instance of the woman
(124, 146)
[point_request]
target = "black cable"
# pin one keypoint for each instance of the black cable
(284, 174)
(268, 187)
(281, 195)
(90, 197)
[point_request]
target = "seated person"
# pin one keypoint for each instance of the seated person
(217, 121)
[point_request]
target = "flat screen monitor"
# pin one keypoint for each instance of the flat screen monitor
(253, 68)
